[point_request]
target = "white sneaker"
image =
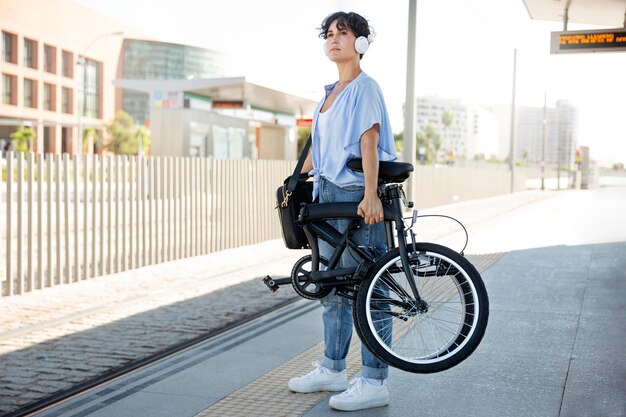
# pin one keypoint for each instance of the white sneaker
(360, 395)
(319, 379)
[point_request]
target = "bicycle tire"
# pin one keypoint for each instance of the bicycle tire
(429, 341)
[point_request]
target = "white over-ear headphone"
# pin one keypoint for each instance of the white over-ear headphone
(361, 44)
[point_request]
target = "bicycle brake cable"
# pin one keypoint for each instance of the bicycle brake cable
(451, 218)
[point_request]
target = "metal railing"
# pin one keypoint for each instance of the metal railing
(70, 220)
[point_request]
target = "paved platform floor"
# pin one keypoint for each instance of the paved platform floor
(554, 346)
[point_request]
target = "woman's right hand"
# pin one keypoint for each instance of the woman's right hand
(371, 209)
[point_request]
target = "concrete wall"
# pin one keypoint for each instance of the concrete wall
(437, 185)
(166, 137)
(171, 131)
(272, 143)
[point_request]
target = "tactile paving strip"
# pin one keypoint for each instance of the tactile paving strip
(484, 261)
(269, 394)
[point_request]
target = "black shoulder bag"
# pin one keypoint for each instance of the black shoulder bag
(290, 196)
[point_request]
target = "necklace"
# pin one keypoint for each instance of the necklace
(341, 86)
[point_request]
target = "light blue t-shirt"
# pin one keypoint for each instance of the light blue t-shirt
(355, 110)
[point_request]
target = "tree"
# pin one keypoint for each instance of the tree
(125, 137)
(429, 139)
(433, 143)
(303, 135)
(22, 138)
(143, 138)
(447, 117)
(90, 133)
(398, 139)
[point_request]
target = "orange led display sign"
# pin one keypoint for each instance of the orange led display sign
(613, 40)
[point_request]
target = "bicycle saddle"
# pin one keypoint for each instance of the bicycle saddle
(389, 172)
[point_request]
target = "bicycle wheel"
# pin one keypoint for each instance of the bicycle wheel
(430, 339)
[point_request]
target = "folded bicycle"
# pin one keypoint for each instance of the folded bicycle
(420, 307)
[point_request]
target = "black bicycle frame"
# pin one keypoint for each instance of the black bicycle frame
(313, 219)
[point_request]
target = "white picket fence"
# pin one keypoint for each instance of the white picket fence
(66, 220)
(70, 220)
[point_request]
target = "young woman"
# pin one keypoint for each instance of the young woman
(351, 121)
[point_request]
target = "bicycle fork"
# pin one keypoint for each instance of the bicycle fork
(397, 195)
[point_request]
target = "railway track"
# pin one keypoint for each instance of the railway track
(115, 374)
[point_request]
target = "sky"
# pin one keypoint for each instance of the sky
(464, 51)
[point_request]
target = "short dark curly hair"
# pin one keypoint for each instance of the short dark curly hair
(354, 22)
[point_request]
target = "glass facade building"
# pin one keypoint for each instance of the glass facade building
(150, 60)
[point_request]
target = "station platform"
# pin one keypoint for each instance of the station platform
(554, 346)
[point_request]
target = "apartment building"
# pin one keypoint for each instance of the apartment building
(66, 68)
(472, 129)
(561, 133)
(52, 52)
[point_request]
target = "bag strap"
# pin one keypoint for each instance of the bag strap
(293, 180)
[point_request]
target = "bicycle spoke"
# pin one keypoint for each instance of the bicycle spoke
(448, 310)
(394, 285)
(427, 336)
(441, 325)
(444, 288)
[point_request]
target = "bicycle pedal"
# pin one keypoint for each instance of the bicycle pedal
(270, 283)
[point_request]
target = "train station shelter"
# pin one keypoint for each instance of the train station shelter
(595, 12)
(224, 118)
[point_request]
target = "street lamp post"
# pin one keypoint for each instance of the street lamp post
(512, 139)
(409, 102)
(81, 62)
(543, 141)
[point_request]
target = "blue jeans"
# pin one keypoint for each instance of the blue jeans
(337, 315)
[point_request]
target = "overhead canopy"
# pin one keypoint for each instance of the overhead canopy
(231, 89)
(594, 12)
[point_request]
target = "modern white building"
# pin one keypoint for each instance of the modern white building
(483, 128)
(430, 111)
(561, 133)
(473, 130)
(224, 118)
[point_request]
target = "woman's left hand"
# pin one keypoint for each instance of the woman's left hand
(371, 209)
